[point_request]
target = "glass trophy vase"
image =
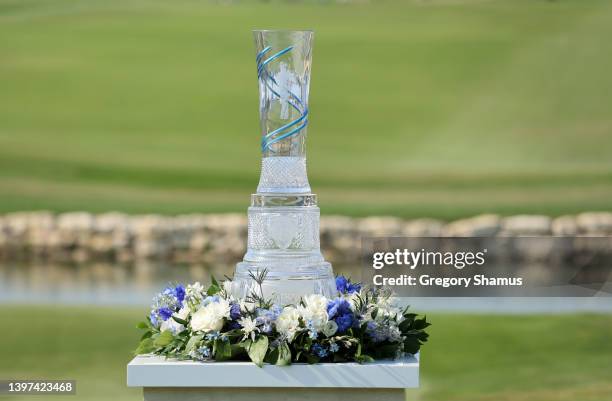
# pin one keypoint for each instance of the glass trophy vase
(283, 230)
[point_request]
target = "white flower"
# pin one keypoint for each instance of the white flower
(249, 327)
(194, 293)
(228, 286)
(210, 317)
(330, 328)
(387, 309)
(354, 298)
(288, 322)
(314, 312)
(183, 313)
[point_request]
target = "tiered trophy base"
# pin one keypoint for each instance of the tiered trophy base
(283, 284)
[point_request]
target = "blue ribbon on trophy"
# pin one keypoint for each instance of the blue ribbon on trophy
(293, 127)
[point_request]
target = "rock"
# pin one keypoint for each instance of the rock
(484, 225)
(73, 231)
(564, 226)
(422, 228)
(383, 226)
(76, 222)
(526, 225)
(595, 223)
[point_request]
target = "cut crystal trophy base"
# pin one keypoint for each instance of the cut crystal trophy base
(283, 242)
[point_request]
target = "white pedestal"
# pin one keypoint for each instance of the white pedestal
(163, 379)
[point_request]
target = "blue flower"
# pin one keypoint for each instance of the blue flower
(352, 288)
(212, 336)
(179, 292)
(153, 319)
(344, 285)
(265, 318)
(333, 347)
(235, 311)
(319, 351)
(233, 325)
(210, 299)
(165, 313)
(204, 352)
(341, 283)
(339, 310)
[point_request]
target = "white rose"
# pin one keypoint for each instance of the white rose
(210, 317)
(183, 313)
(315, 311)
(330, 328)
(288, 322)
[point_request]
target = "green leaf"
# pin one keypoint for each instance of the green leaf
(193, 341)
(311, 359)
(257, 349)
(212, 290)
(364, 358)
(142, 325)
(406, 324)
(374, 313)
(180, 321)
(223, 350)
(214, 287)
(284, 355)
(163, 339)
(146, 346)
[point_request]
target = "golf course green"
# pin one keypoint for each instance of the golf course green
(418, 108)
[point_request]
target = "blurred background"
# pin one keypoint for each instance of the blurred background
(439, 109)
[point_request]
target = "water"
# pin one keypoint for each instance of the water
(135, 285)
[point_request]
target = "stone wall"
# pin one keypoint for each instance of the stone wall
(221, 238)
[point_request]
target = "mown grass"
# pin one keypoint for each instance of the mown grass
(438, 108)
(469, 357)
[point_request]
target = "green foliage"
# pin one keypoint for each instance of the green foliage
(214, 288)
(257, 349)
(162, 339)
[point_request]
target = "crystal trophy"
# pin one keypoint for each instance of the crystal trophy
(283, 219)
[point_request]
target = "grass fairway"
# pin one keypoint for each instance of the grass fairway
(419, 108)
(470, 357)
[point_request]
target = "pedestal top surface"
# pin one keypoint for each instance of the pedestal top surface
(156, 371)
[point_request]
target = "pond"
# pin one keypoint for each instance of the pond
(135, 284)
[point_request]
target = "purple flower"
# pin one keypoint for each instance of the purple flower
(341, 283)
(164, 313)
(338, 307)
(339, 310)
(345, 286)
(233, 325)
(344, 322)
(235, 311)
(352, 288)
(179, 292)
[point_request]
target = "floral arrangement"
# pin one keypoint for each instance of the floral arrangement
(361, 324)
